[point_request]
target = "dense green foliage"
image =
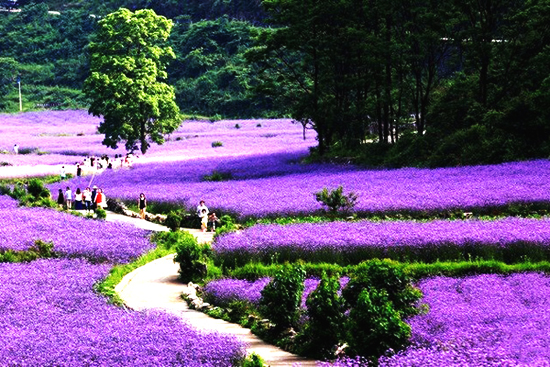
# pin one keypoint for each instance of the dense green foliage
(191, 256)
(325, 311)
(128, 61)
(39, 250)
(335, 200)
(383, 82)
(281, 297)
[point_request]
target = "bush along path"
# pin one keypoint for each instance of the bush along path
(156, 286)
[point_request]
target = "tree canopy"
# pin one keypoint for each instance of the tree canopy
(129, 54)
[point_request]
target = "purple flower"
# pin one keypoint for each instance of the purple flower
(72, 236)
(50, 316)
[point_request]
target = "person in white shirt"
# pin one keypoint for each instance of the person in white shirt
(201, 207)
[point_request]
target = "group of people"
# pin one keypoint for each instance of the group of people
(88, 199)
(93, 163)
(208, 220)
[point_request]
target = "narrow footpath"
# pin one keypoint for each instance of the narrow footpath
(156, 286)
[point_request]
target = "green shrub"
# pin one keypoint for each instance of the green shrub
(39, 250)
(335, 200)
(100, 213)
(173, 221)
(218, 176)
(384, 275)
(191, 256)
(374, 325)
(216, 144)
(37, 190)
(325, 309)
(281, 297)
(5, 189)
(253, 360)
(227, 224)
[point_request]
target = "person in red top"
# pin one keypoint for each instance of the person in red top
(99, 198)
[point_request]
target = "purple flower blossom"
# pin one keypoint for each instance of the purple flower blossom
(72, 236)
(352, 242)
(267, 186)
(67, 136)
(50, 316)
(485, 320)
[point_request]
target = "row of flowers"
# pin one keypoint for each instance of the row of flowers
(277, 186)
(72, 236)
(510, 239)
(223, 292)
(484, 320)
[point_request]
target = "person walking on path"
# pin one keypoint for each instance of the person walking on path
(87, 199)
(78, 170)
(142, 205)
(202, 206)
(94, 194)
(69, 197)
(16, 149)
(63, 173)
(60, 199)
(100, 200)
(204, 220)
(78, 200)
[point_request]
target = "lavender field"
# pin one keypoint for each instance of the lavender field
(485, 320)
(72, 236)
(50, 316)
(276, 185)
(66, 137)
(509, 239)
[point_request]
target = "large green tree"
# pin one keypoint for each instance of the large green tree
(8, 70)
(129, 55)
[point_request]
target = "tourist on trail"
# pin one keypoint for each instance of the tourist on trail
(94, 194)
(99, 199)
(60, 199)
(102, 202)
(201, 207)
(69, 197)
(78, 200)
(78, 170)
(16, 149)
(142, 205)
(212, 221)
(204, 220)
(63, 173)
(87, 199)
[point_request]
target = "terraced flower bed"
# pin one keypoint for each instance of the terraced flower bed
(72, 236)
(286, 188)
(509, 239)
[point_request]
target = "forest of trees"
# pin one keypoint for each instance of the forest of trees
(384, 82)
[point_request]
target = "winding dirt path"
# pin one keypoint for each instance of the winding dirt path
(156, 286)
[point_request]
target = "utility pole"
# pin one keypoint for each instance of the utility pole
(20, 100)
